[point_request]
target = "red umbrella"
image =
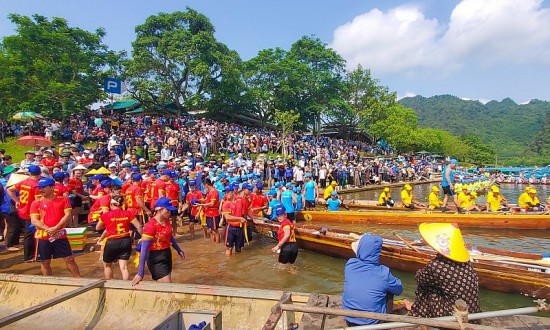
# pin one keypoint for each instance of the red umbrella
(34, 141)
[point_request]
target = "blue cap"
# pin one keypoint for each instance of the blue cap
(278, 184)
(35, 170)
(308, 175)
(271, 193)
(228, 189)
(234, 185)
(97, 177)
(289, 185)
(152, 172)
(165, 203)
(247, 186)
(58, 176)
(192, 183)
(259, 185)
(134, 169)
(298, 189)
(159, 166)
(334, 193)
(45, 182)
(167, 172)
(137, 177)
(230, 170)
(105, 183)
(279, 210)
(453, 161)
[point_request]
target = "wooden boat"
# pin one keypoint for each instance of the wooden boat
(36, 302)
(498, 270)
(475, 220)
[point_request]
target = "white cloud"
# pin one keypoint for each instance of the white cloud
(407, 94)
(484, 33)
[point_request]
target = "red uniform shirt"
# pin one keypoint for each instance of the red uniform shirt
(244, 205)
(100, 204)
(212, 196)
(117, 223)
(125, 186)
(59, 189)
(27, 194)
(236, 209)
(281, 231)
(130, 195)
(76, 184)
(156, 187)
(173, 192)
(159, 234)
(197, 194)
(50, 213)
(145, 186)
(98, 191)
(48, 162)
(257, 201)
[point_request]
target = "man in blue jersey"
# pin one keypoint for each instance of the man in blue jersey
(310, 192)
(288, 199)
(447, 184)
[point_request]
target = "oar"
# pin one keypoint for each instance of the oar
(406, 242)
(539, 262)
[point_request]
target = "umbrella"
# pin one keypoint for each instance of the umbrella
(27, 115)
(34, 141)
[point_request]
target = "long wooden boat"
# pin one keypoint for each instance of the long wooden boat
(476, 220)
(505, 271)
(37, 302)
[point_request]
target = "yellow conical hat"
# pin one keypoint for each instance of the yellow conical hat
(446, 239)
(91, 172)
(102, 170)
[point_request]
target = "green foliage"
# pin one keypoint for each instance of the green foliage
(505, 126)
(177, 59)
(286, 120)
(51, 68)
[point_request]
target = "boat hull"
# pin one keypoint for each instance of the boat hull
(473, 220)
(492, 275)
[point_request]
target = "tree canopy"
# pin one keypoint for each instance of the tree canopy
(52, 68)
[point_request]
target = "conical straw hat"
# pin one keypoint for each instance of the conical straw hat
(91, 172)
(446, 239)
(103, 171)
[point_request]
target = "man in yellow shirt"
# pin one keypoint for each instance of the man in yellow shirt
(434, 200)
(385, 198)
(528, 201)
(495, 200)
(470, 203)
(407, 199)
(328, 190)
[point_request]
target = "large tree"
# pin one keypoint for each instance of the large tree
(52, 68)
(177, 60)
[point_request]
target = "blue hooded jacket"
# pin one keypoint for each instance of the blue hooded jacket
(366, 282)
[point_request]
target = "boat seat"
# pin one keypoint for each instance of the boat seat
(312, 321)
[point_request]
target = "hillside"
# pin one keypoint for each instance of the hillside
(506, 126)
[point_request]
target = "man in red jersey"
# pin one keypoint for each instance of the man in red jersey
(258, 201)
(102, 204)
(146, 187)
(191, 200)
(134, 198)
(76, 193)
(158, 187)
(49, 215)
(211, 205)
(49, 160)
(59, 189)
(27, 194)
(173, 192)
(243, 199)
(232, 212)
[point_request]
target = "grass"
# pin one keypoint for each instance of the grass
(16, 151)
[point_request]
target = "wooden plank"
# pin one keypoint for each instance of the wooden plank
(524, 322)
(334, 321)
(277, 312)
(314, 321)
(49, 303)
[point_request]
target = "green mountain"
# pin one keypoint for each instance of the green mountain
(506, 126)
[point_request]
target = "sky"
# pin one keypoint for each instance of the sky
(474, 49)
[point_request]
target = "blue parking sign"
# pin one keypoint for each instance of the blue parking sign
(112, 85)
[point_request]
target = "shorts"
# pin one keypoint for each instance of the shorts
(410, 206)
(117, 249)
(159, 263)
(212, 222)
(194, 219)
(60, 248)
(291, 216)
(235, 237)
(310, 204)
(447, 191)
(76, 201)
(289, 252)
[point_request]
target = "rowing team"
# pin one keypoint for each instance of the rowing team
(466, 200)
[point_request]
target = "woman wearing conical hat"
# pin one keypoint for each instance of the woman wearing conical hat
(448, 277)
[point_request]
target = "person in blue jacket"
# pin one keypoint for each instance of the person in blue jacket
(368, 286)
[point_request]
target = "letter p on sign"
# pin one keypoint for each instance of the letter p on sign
(112, 85)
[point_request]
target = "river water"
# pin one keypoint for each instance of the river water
(256, 267)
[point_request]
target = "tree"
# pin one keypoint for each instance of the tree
(177, 59)
(286, 120)
(51, 68)
(371, 101)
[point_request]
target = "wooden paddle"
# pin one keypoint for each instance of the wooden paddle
(540, 262)
(406, 242)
